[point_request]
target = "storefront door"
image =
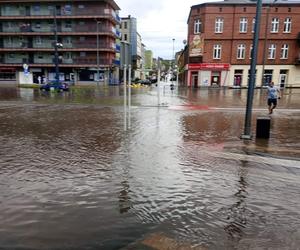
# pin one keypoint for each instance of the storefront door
(215, 78)
(195, 80)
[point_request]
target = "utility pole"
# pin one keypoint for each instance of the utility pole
(173, 59)
(98, 73)
(56, 62)
(251, 84)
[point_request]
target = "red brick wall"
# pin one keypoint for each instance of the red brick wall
(231, 37)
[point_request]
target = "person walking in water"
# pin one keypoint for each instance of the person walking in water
(273, 95)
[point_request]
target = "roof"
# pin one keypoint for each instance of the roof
(111, 2)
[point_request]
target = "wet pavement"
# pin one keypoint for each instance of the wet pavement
(71, 178)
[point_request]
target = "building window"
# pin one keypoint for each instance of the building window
(250, 51)
(36, 8)
(241, 51)
(197, 26)
(217, 51)
(68, 24)
(82, 23)
(80, 6)
(125, 25)
(82, 54)
(38, 25)
(125, 37)
(272, 51)
(220, 9)
(275, 25)
(284, 51)
(68, 55)
(243, 25)
(219, 25)
(253, 25)
(287, 25)
(245, 9)
(38, 40)
(68, 40)
(289, 9)
(9, 40)
(82, 38)
(268, 76)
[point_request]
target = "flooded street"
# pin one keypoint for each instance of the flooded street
(71, 178)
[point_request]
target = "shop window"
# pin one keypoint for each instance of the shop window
(238, 77)
(268, 76)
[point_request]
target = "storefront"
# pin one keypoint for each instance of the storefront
(207, 74)
(7, 74)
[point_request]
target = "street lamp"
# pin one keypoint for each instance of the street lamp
(247, 129)
(98, 73)
(173, 59)
(56, 46)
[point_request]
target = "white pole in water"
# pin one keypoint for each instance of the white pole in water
(158, 82)
(125, 97)
(129, 96)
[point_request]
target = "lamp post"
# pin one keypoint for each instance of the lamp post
(97, 38)
(247, 129)
(56, 45)
(173, 59)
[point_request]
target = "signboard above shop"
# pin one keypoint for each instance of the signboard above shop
(209, 66)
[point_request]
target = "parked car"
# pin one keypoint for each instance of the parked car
(58, 87)
(153, 80)
(145, 82)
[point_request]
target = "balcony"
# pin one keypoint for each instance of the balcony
(87, 14)
(92, 61)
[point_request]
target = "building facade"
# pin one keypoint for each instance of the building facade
(84, 30)
(220, 36)
(133, 38)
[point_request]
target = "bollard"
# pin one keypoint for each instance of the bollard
(263, 125)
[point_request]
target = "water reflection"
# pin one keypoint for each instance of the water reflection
(124, 198)
(237, 218)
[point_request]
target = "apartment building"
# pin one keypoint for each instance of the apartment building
(220, 38)
(131, 37)
(84, 32)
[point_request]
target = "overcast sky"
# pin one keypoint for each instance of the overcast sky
(159, 21)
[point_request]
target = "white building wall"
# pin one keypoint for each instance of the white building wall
(293, 78)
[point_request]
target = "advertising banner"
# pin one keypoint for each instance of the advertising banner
(196, 45)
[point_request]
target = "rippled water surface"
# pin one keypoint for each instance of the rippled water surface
(71, 178)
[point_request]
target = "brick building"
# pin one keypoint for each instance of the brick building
(220, 38)
(83, 27)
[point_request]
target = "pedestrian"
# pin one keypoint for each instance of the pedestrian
(45, 80)
(273, 95)
(39, 79)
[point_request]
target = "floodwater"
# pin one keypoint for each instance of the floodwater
(71, 178)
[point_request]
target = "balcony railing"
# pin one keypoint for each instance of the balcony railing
(30, 29)
(92, 61)
(49, 46)
(92, 13)
(71, 61)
